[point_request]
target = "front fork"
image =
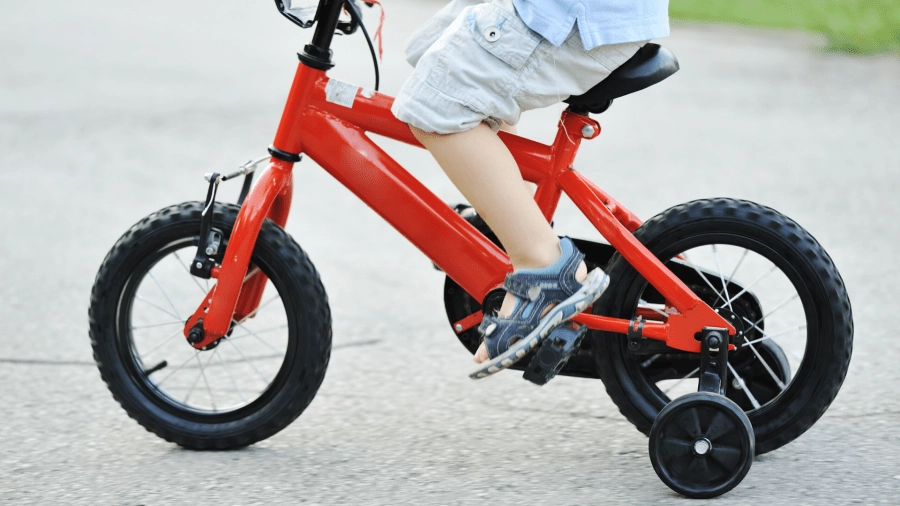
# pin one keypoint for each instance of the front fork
(239, 285)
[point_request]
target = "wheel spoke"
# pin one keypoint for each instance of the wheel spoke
(253, 313)
(142, 299)
(233, 382)
(699, 467)
(194, 278)
(646, 363)
(696, 429)
(263, 378)
(766, 336)
(212, 399)
(681, 380)
(740, 261)
(253, 272)
(682, 463)
(256, 357)
(779, 306)
(643, 303)
(249, 334)
(717, 426)
(160, 382)
(254, 334)
(726, 457)
(157, 325)
(751, 285)
(676, 448)
(721, 276)
(746, 390)
(765, 364)
(166, 295)
(164, 341)
(691, 264)
(193, 385)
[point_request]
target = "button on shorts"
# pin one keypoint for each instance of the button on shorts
(478, 62)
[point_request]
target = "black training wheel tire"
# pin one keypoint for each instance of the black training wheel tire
(701, 445)
(829, 340)
(308, 342)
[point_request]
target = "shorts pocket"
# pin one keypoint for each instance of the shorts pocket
(502, 34)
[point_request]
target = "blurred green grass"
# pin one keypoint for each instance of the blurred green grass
(854, 26)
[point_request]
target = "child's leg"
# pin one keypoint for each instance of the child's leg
(482, 168)
(488, 65)
(484, 171)
(506, 127)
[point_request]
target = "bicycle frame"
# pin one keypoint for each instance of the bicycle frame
(327, 120)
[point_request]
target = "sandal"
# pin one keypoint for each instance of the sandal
(508, 339)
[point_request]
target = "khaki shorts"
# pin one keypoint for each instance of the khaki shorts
(477, 62)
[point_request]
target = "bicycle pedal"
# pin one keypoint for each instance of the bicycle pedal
(553, 353)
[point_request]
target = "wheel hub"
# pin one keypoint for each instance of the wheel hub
(212, 345)
(702, 446)
(736, 321)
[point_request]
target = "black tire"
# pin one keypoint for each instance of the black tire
(775, 238)
(718, 428)
(294, 381)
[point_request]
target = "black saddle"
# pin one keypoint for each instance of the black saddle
(650, 65)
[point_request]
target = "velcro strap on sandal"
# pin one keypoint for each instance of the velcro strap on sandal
(528, 284)
(498, 339)
(525, 289)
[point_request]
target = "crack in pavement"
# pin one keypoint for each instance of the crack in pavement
(31, 361)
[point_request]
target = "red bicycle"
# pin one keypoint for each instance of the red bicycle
(726, 331)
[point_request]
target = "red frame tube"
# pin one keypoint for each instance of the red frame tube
(333, 135)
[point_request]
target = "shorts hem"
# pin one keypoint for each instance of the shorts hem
(431, 110)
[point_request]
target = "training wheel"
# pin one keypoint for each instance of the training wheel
(701, 445)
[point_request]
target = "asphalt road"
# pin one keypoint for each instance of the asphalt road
(109, 111)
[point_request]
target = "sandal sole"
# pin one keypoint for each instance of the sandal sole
(594, 286)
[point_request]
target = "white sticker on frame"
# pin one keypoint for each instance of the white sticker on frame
(340, 93)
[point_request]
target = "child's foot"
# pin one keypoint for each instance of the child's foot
(509, 302)
(542, 299)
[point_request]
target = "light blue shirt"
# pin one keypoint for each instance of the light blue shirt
(599, 21)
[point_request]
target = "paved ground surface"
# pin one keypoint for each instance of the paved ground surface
(108, 112)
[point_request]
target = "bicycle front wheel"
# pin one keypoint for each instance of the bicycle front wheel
(244, 387)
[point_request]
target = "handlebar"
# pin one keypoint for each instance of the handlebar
(317, 53)
(345, 27)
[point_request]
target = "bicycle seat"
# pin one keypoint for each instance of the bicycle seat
(650, 65)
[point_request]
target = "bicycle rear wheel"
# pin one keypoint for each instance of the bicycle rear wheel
(751, 262)
(244, 387)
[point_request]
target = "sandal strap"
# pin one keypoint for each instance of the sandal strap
(557, 281)
(505, 331)
(535, 289)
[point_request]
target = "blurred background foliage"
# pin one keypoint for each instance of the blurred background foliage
(854, 26)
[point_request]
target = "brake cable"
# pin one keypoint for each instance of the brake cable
(350, 5)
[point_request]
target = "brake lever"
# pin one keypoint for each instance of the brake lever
(293, 19)
(350, 27)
